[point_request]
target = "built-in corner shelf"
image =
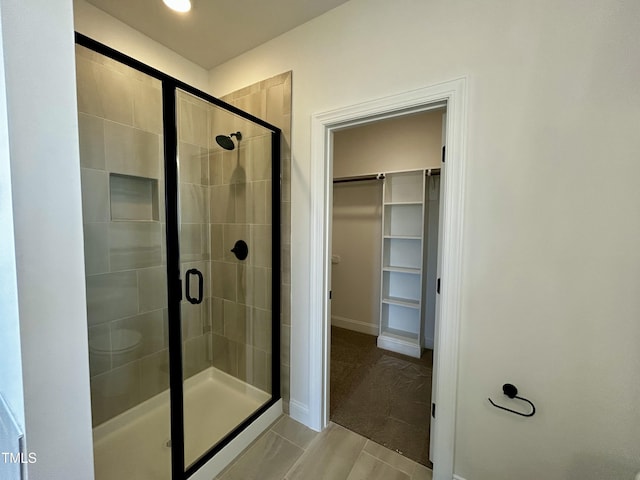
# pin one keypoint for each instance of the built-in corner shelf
(401, 318)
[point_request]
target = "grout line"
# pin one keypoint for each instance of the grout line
(287, 440)
(415, 464)
(304, 453)
(250, 447)
(358, 456)
(409, 474)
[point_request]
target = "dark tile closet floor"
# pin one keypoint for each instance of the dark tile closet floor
(381, 395)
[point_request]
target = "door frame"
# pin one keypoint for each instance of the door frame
(446, 352)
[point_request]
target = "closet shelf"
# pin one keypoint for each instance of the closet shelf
(402, 284)
(402, 237)
(403, 302)
(391, 268)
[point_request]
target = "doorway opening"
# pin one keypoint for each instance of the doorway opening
(384, 251)
(452, 95)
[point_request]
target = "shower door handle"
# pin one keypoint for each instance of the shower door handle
(197, 273)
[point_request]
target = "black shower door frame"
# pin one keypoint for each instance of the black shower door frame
(170, 85)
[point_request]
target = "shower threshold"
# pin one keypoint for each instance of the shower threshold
(136, 444)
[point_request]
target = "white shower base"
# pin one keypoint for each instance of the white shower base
(133, 445)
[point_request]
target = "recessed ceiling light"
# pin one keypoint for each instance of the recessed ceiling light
(178, 5)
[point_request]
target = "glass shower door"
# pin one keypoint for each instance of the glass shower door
(122, 173)
(225, 205)
(181, 276)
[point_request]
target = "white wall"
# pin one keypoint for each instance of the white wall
(357, 240)
(45, 184)
(104, 28)
(10, 361)
(402, 143)
(551, 258)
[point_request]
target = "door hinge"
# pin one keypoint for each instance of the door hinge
(330, 294)
(438, 286)
(433, 410)
(444, 148)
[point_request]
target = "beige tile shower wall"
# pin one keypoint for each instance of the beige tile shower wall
(224, 198)
(270, 99)
(120, 120)
(221, 200)
(241, 289)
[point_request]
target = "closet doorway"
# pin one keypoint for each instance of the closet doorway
(384, 256)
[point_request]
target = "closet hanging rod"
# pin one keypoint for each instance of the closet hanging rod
(380, 176)
(360, 178)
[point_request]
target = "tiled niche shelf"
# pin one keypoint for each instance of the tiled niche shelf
(133, 198)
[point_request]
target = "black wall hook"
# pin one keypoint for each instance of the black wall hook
(512, 392)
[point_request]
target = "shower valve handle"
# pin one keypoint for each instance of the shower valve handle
(240, 250)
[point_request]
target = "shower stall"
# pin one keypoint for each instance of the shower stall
(182, 261)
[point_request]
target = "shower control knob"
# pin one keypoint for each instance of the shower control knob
(240, 250)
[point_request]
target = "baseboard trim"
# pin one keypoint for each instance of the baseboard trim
(395, 345)
(356, 325)
(299, 412)
(429, 343)
(458, 477)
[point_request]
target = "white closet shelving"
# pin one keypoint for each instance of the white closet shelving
(401, 309)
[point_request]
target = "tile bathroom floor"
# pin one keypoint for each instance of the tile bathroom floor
(291, 451)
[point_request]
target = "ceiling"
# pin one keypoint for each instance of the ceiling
(215, 31)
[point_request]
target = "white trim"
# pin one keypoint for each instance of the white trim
(457, 477)
(388, 342)
(232, 450)
(453, 94)
(355, 325)
(299, 411)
